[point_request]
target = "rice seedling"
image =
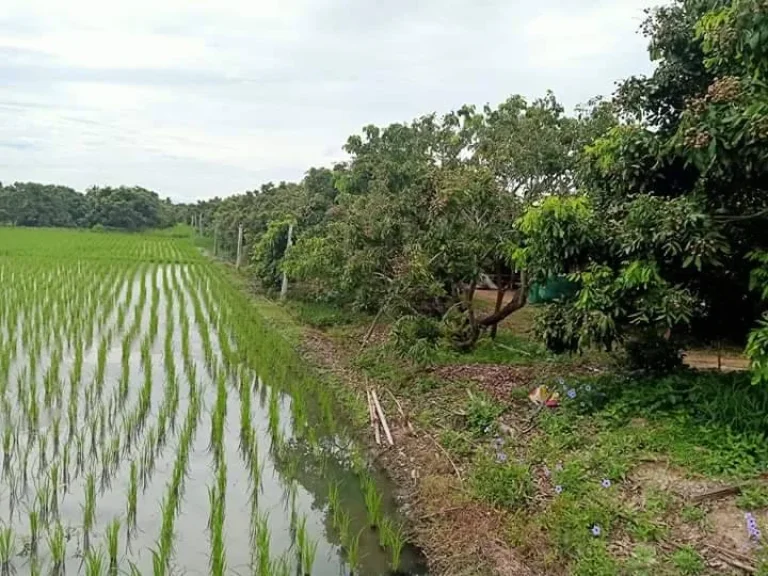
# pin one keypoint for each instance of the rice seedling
(53, 483)
(218, 562)
(353, 551)
(113, 533)
(34, 531)
(57, 545)
(391, 537)
(8, 446)
(262, 566)
(133, 489)
(89, 510)
(97, 334)
(334, 502)
(7, 550)
(95, 564)
(372, 501)
(308, 553)
(280, 567)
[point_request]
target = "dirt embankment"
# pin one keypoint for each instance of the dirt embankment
(459, 536)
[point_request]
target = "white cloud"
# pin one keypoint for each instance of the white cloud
(198, 98)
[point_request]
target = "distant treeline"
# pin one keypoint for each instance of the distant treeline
(124, 208)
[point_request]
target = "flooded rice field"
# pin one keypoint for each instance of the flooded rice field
(153, 424)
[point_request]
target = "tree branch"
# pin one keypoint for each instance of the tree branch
(520, 300)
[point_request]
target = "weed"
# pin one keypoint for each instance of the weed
(753, 497)
(482, 413)
(688, 561)
(507, 484)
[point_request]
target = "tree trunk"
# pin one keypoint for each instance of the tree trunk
(473, 326)
(519, 300)
(500, 290)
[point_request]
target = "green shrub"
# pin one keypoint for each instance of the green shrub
(416, 337)
(652, 354)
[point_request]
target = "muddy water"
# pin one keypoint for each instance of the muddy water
(301, 455)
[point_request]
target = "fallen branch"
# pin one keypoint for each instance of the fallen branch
(719, 493)
(374, 421)
(382, 418)
(401, 411)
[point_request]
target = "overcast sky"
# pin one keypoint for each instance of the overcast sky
(195, 99)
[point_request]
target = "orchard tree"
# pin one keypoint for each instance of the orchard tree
(682, 188)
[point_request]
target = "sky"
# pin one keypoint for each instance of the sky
(195, 99)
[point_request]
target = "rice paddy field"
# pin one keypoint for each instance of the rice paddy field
(152, 424)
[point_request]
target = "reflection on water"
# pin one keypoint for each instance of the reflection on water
(155, 422)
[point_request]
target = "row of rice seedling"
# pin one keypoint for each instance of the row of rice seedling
(119, 377)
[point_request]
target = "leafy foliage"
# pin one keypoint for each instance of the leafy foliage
(39, 205)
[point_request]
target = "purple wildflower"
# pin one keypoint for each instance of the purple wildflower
(605, 483)
(501, 457)
(571, 393)
(596, 530)
(752, 529)
(559, 489)
(498, 442)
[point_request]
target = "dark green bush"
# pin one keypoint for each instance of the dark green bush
(652, 354)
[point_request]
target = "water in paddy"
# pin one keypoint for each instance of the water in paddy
(91, 399)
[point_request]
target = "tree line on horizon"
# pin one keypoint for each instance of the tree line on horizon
(121, 208)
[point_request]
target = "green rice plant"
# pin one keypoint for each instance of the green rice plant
(274, 412)
(308, 553)
(8, 445)
(372, 501)
(133, 490)
(263, 565)
(53, 482)
(301, 539)
(280, 566)
(95, 564)
(393, 538)
(65, 467)
(89, 510)
(57, 544)
(218, 562)
(246, 429)
(34, 531)
(113, 533)
(334, 502)
(56, 431)
(344, 528)
(7, 550)
(159, 566)
(353, 551)
(42, 451)
(43, 499)
(35, 567)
